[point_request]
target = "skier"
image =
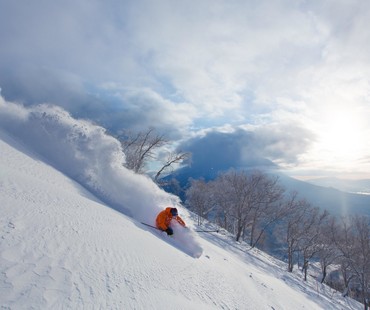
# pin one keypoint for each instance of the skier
(164, 219)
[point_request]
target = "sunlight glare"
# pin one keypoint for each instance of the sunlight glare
(341, 139)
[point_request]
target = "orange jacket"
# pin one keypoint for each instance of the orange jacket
(164, 218)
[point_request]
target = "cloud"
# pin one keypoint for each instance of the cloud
(139, 109)
(181, 67)
(270, 147)
(284, 144)
(67, 55)
(208, 54)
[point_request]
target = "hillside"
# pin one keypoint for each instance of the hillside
(62, 247)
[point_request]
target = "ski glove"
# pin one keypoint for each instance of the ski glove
(169, 231)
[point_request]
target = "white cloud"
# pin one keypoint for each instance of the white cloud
(194, 64)
(143, 108)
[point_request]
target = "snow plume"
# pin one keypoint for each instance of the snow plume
(84, 152)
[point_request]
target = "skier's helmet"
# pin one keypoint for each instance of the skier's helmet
(174, 211)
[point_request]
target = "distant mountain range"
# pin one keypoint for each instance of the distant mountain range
(345, 185)
(337, 202)
(342, 200)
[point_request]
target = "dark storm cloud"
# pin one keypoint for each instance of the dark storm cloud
(265, 147)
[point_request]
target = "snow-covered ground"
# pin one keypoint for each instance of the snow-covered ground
(71, 237)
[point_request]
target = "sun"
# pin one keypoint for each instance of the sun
(341, 135)
(341, 138)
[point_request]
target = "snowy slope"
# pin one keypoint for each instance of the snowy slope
(61, 247)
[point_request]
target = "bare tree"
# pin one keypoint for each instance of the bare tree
(237, 188)
(309, 244)
(295, 225)
(173, 158)
(139, 147)
(245, 201)
(268, 208)
(344, 239)
(220, 199)
(361, 266)
(328, 253)
(198, 198)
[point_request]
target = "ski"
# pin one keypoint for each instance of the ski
(208, 231)
(150, 226)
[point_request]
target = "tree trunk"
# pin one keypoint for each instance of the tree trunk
(290, 260)
(305, 268)
(239, 231)
(238, 234)
(253, 228)
(324, 273)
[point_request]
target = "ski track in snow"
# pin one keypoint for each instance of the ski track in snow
(63, 249)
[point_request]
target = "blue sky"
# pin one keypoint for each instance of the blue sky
(294, 75)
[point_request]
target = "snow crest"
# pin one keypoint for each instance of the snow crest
(184, 240)
(87, 154)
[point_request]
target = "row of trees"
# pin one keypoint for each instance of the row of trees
(256, 208)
